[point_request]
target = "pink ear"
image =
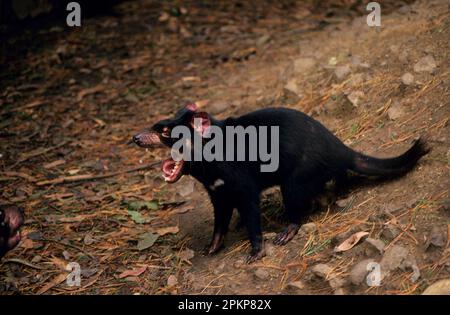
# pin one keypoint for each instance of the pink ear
(192, 107)
(201, 122)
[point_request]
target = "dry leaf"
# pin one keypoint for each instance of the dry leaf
(350, 242)
(167, 230)
(172, 281)
(134, 272)
(88, 91)
(54, 282)
(59, 263)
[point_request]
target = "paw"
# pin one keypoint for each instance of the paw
(212, 249)
(215, 246)
(284, 237)
(256, 254)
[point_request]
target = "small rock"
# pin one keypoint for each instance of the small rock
(359, 272)
(36, 259)
(425, 64)
(322, 270)
(337, 283)
(344, 202)
(342, 71)
(262, 274)
(66, 255)
(296, 284)
(355, 97)
(88, 239)
(293, 87)
(172, 281)
(441, 287)
(437, 237)
(395, 111)
(308, 228)
(217, 107)
(377, 244)
(392, 259)
(407, 79)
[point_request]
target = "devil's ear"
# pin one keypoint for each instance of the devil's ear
(192, 107)
(201, 122)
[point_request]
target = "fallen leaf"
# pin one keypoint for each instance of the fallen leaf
(172, 280)
(134, 272)
(59, 263)
(54, 164)
(54, 282)
(88, 91)
(350, 242)
(167, 230)
(147, 240)
(138, 217)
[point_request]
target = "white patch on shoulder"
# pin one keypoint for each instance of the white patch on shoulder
(219, 182)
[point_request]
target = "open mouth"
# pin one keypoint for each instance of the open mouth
(172, 170)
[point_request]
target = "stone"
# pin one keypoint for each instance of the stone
(437, 237)
(355, 97)
(308, 228)
(441, 287)
(217, 107)
(359, 272)
(393, 257)
(321, 270)
(376, 243)
(262, 274)
(395, 111)
(296, 285)
(341, 72)
(425, 64)
(407, 78)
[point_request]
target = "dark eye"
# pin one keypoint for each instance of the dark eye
(166, 132)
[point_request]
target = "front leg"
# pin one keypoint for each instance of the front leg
(251, 216)
(223, 211)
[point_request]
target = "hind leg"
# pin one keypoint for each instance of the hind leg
(297, 197)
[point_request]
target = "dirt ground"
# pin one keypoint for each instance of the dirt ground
(71, 100)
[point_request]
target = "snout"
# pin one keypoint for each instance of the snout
(147, 139)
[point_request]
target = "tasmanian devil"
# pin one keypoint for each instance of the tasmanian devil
(309, 156)
(11, 218)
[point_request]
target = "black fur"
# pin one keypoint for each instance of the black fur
(310, 156)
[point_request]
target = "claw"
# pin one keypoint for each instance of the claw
(256, 254)
(215, 246)
(288, 234)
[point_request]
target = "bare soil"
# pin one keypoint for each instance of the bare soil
(72, 99)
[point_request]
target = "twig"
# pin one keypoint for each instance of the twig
(78, 178)
(23, 262)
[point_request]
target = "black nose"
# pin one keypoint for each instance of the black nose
(136, 138)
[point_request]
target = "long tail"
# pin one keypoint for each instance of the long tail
(367, 165)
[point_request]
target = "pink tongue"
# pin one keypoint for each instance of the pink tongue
(168, 166)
